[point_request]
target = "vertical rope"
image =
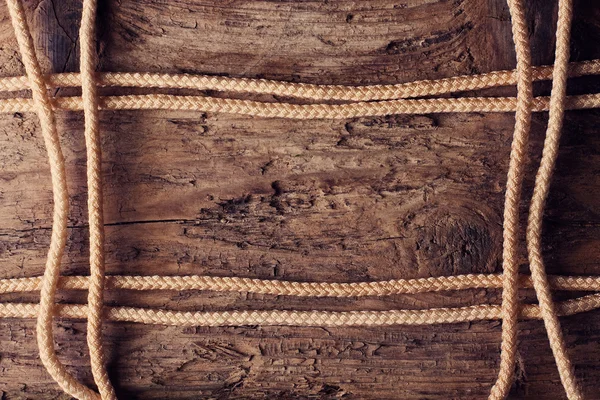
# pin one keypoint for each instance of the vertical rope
(510, 301)
(540, 194)
(61, 207)
(95, 206)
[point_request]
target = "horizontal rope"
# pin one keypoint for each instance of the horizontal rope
(303, 289)
(302, 111)
(303, 90)
(301, 318)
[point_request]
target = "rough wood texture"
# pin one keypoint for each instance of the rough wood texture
(363, 199)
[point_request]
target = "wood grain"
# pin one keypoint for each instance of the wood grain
(362, 199)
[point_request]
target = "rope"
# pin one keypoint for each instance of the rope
(302, 318)
(301, 289)
(514, 183)
(43, 107)
(95, 207)
(540, 193)
(372, 100)
(303, 111)
(304, 90)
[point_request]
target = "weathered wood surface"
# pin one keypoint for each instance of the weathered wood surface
(363, 199)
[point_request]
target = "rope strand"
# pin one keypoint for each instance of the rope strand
(301, 289)
(304, 90)
(45, 113)
(538, 200)
(304, 111)
(430, 316)
(510, 266)
(95, 199)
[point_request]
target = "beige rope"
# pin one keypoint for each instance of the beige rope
(303, 90)
(538, 200)
(304, 111)
(45, 113)
(303, 318)
(510, 300)
(302, 289)
(95, 206)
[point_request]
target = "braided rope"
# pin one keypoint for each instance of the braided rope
(89, 93)
(302, 318)
(304, 111)
(514, 183)
(43, 107)
(538, 199)
(303, 90)
(301, 289)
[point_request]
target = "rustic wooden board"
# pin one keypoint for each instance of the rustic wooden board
(363, 199)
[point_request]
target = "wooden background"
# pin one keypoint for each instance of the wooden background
(361, 199)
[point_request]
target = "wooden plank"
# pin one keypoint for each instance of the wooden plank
(361, 199)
